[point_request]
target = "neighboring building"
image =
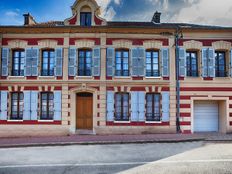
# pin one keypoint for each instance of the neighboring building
(87, 73)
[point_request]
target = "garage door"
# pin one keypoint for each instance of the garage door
(206, 116)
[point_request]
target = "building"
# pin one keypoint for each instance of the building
(89, 75)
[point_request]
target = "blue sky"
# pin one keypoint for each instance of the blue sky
(210, 12)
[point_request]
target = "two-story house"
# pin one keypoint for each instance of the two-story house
(89, 75)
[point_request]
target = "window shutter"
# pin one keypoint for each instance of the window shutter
(58, 62)
(3, 108)
(165, 62)
(231, 63)
(205, 62)
(5, 61)
(96, 67)
(110, 62)
(141, 62)
(72, 62)
(34, 105)
(135, 61)
(134, 106)
(141, 106)
(32, 60)
(211, 62)
(27, 105)
(182, 62)
(110, 106)
(57, 105)
(165, 106)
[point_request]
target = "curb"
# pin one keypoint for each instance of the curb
(99, 143)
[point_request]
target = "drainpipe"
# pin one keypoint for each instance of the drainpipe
(178, 35)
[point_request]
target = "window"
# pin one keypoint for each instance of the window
(18, 63)
(220, 64)
(84, 62)
(121, 107)
(192, 64)
(152, 64)
(86, 18)
(122, 63)
(153, 107)
(47, 106)
(17, 106)
(48, 63)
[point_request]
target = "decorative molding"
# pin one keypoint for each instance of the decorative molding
(221, 45)
(48, 43)
(152, 44)
(192, 44)
(122, 43)
(84, 43)
(17, 43)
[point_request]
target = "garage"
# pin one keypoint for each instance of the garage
(206, 116)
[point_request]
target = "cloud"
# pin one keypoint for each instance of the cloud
(107, 9)
(11, 17)
(11, 13)
(210, 12)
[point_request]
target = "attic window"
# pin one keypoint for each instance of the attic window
(86, 18)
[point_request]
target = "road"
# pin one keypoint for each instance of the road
(191, 157)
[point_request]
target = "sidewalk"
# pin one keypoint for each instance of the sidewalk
(111, 139)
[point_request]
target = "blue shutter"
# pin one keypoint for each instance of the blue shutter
(205, 62)
(231, 63)
(57, 105)
(34, 105)
(72, 62)
(134, 106)
(110, 57)
(165, 62)
(165, 106)
(58, 62)
(110, 106)
(141, 105)
(182, 62)
(32, 61)
(134, 61)
(96, 67)
(211, 62)
(141, 62)
(3, 106)
(5, 61)
(27, 105)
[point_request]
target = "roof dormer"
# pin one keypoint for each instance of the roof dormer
(85, 13)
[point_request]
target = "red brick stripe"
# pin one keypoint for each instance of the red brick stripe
(3, 122)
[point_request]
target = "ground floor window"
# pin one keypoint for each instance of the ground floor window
(17, 106)
(122, 107)
(47, 106)
(153, 107)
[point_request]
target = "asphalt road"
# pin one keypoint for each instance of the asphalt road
(188, 157)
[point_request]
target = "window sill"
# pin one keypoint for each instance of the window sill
(14, 120)
(153, 122)
(84, 77)
(16, 77)
(45, 120)
(122, 77)
(121, 121)
(153, 77)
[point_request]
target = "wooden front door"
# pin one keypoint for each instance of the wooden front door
(84, 111)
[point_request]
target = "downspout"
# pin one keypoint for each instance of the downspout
(177, 37)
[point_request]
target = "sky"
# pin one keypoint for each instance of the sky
(207, 12)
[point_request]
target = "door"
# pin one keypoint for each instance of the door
(84, 111)
(206, 116)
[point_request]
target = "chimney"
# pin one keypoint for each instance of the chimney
(156, 17)
(28, 19)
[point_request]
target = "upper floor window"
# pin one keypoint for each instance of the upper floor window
(152, 63)
(18, 63)
(84, 62)
(17, 106)
(192, 64)
(86, 18)
(47, 106)
(121, 107)
(122, 63)
(220, 64)
(153, 107)
(48, 61)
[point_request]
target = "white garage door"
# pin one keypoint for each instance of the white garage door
(206, 116)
